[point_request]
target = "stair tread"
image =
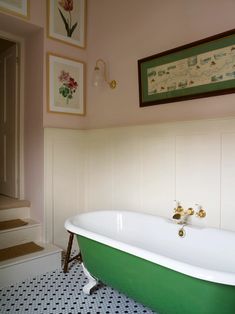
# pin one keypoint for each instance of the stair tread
(11, 224)
(19, 250)
(47, 249)
(8, 203)
(29, 223)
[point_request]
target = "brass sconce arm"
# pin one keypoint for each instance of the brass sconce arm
(101, 63)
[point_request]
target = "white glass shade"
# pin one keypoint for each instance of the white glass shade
(98, 77)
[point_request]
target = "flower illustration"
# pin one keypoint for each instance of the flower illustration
(68, 87)
(67, 5)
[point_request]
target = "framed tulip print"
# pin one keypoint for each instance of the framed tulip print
(65, 85)
(15, 7)
(67, 21)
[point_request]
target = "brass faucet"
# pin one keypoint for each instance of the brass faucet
(182, 215)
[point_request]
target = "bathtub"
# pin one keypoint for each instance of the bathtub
(143, 256)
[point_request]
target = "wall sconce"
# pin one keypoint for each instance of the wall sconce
(100, 75)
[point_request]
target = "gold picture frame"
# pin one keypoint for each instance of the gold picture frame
(65, 85)
(20, 8)
(66, 21)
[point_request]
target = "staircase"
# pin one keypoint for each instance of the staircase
(22, 254)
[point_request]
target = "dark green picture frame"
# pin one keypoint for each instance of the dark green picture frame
(213, 77)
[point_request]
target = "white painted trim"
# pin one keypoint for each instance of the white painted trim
(29, 266)
(17, 107)
(20, 119)
(48, 226)
(52, 138)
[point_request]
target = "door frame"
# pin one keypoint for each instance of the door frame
(20, 109)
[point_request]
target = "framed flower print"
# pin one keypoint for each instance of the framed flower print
(15, 7)
(67, 21)
(65, 85)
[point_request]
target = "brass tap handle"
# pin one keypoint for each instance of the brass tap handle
(178, 208)
(190, 211)
(177, 216)
(201, 213)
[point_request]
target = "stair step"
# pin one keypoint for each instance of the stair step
(30, 265)
(19, 250)
(11, 224)
(29, 232)
(7, 202)
(14, 213)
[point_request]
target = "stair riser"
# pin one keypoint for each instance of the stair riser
(14, 213)
(19, 236)
(29, 269)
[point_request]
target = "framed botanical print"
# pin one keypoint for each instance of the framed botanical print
(15, 7)
(65, 85)
(67, 21)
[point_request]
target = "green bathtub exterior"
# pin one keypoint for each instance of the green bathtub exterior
(157, 287)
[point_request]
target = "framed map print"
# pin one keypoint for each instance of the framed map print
(67, 21)
(200, 69)
(15, 7)
(65, 85)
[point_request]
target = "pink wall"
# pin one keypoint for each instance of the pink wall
(33, 123)
(122, 32)
(33, 31)
(22, 27)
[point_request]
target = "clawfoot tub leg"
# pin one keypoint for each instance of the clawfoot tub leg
(92, 283)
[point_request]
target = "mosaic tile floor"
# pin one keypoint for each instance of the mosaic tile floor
(59, 293)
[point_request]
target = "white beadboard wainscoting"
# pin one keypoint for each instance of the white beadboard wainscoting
(141, 168)
(64, 180)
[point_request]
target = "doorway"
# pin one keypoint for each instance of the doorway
(9, 118)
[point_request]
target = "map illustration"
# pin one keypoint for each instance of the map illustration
(206, 68)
